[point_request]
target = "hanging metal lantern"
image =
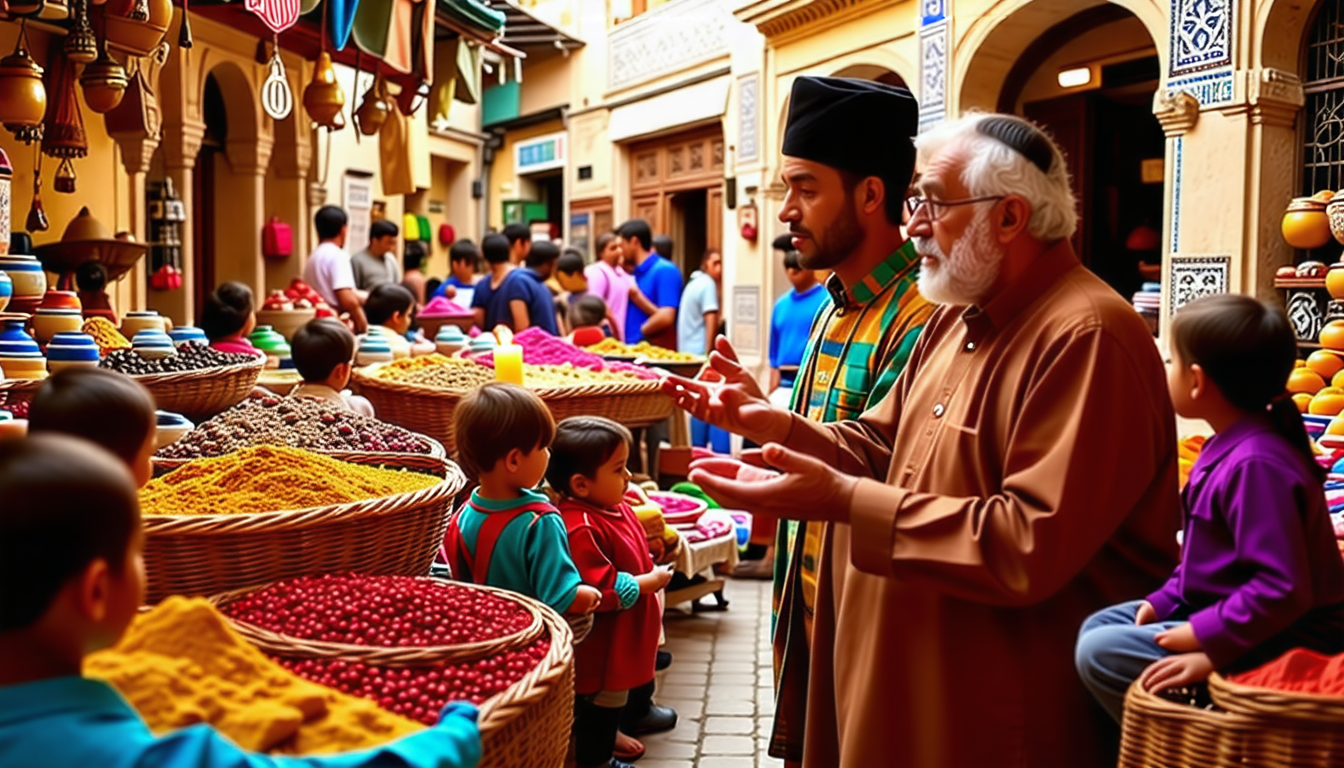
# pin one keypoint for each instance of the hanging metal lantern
(81, 45)
(137, 26)
(104, 83)
(374, 109)
(23, 97)
(323, 98)
(63, 132)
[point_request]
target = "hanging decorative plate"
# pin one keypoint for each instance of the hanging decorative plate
(277, 15)
(276, 97)
(1304, 312)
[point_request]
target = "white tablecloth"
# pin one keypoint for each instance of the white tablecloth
(701, 556)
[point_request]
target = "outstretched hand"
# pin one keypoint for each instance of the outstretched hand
(727, 396)
(798, 488)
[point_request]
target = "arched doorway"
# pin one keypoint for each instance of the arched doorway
(1089, 80)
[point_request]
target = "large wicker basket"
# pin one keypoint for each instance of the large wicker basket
(433, 463)
(430, 410)
(210, 554)
(1244, 728)
(527, 724)
(198, 395)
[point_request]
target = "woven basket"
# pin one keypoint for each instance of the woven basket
(198, 395)
(433, 463)
(527, 724)
(1246, 728)
(15, 391)
(430, 410)
(209, 554)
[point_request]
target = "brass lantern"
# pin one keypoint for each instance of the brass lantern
(373, 111)
(137, 26)
(23, 97)
(104, 82)
(323, 98)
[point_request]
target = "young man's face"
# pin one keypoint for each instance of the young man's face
(464, 270)
(714, 266)
(630, 247)
(381, 245)
(802, 279)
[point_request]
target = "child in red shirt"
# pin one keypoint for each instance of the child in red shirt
(608, 545)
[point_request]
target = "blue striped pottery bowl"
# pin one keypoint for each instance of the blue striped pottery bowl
(71, 349)
(187, 334)
(6, 290)
(25, 272)
(153, 345)
(373, 348)
(20, 357)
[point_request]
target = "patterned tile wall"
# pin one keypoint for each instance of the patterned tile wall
(934, 60)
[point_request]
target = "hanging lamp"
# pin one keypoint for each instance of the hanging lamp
(63, 131)
(23, 97)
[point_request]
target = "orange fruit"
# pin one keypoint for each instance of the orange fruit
(1305, 380)
(1302, 400)
(1326, 363)
(1332, 335)
(1338, 380)
(1299, 363)
(1336, 426)
(1326, 404)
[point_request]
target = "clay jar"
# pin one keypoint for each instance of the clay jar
(1334, 281)
(20, 356)
(23, 97)
(1305, 224)
(28, 279)
(135, 322)
(71, 350)
(49, 322)
(137, 37)
(61, 300)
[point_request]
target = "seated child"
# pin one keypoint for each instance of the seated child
(609, 548)
(228, 318)
(70, 535)
(388, 310)
(323, 351)
(104, 407)
(589, 319)
(1260, 573)
(508, 535)
(91, 282)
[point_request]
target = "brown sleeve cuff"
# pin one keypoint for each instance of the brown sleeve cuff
(872, 515)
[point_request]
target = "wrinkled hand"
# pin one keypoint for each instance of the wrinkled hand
(1180, 639)
(1176, 672)
(1146, 614)
(727, 396)
(802, 488)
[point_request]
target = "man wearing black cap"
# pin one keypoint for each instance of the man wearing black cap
(1020, 474)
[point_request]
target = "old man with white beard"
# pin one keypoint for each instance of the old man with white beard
(1020, 475)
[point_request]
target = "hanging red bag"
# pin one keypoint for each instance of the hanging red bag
(277, 239)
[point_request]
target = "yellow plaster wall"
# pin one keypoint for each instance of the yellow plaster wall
(546, 84)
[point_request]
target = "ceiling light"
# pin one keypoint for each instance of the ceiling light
(1072, 78)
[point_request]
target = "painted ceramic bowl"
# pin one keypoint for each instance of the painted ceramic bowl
(71, 350)
(135, 322)
(286, 322)
(28, 280)
(171, 427)
(450, 340)
(187, 334)
(49, 322)
(373, 348)
(15, 341)
(6, 290)
(61, 300)
(153, 345)
(270, 341)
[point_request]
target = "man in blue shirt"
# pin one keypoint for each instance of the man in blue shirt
(539, 301)
(513, 296)
(791, 320)
(658, 279)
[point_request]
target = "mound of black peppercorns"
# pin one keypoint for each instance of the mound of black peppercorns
(295, 422)
(189, 357)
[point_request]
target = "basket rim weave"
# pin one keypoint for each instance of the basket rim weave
(282, 644)
(436, 451)
(172, 377)
(500, 709)
(20, 384)
(368, 375)
(446, 487)
(1269, 702)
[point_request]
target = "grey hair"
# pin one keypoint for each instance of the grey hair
(993, 168)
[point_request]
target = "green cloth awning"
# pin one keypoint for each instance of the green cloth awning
(473, 13)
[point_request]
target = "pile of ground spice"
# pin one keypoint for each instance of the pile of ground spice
(270, 478)
(181, 664)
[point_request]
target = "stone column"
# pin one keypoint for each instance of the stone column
(137, 153)
(181, 148)
(240, 211)
(287, 198)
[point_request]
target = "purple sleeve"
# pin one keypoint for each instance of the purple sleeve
(1263, 505)
(1166, 600)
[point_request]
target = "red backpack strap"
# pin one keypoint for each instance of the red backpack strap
(488, 536)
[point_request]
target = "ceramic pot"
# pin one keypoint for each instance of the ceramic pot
(71, 350)
(286, 322)
(153, 345)
(49, 322)
(450, 340)
(187, 334)
(266, 339)
(171, 428)
(138, 37)
(23, 97)
(104, 82)
(19, 354)
(135, 322)
(6, 290)
(27, 277)
(61, 300)
(1334, 280)
(1335, 213)
(373, 348)
(1305, 224)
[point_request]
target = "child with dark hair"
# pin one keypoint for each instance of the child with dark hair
(107, 408)
(70, 536)
(1259, 572)
(508, 535)
(389, 310)
(91, 282)
(413, 271)
(228, 317)
(323, 351)
(608, 544)
(589, 320)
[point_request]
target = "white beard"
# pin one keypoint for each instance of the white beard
(965, 277)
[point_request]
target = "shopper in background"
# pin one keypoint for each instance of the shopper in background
(533, 303)
(658, 279)
(791, 322)
(489, 301)
(91, 281)
(663, 245)
(609, 281)
(377, 264)
(329, 271)
(697, 325)
(414, 277)
(228, 317)
(520, 242)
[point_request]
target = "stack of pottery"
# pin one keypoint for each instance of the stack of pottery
(268, 340)
(373, 348)
(20, 357)
(71, 350)
(6, 290)
(481, 344)
(135, 322)
(1305, 224)
(153, 345)
(28, 280)
(450, 340)
(187, 334)
(60, 313)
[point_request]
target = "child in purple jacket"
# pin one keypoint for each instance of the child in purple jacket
(1259, 573)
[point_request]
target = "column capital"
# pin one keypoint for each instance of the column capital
(1177, 111)
(250, 156)
(182, 143)
(1275, 96)
(137, 150)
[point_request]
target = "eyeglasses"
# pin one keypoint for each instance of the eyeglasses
(937, 208)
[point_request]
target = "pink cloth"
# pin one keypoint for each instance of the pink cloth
(235, 344)
(612, 285)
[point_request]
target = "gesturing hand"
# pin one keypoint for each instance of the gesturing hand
(803, 488)
(727, 396)
(1176, 671)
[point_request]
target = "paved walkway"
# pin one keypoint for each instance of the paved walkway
(720, 683)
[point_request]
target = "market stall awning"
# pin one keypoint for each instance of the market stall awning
(523, 30)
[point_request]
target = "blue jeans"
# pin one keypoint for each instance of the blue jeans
(703, 435)
(1113, 651)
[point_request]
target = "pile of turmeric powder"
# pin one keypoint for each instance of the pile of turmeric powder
(181, 664)
(269, 478)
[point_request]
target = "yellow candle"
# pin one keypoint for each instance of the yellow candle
(508, 357)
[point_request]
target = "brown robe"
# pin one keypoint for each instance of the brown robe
(1029, 454)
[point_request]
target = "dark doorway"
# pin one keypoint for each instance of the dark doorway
(690, 228)
(203, 193)
(551, 191)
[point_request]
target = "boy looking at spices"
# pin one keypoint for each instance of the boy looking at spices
(389, 314)
(607, 542)
(70, 535)
(508, 535)
(107, 408)
(228, 318)
(323, 351)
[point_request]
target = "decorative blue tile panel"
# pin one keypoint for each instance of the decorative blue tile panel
(933, 63)
(1201, 35)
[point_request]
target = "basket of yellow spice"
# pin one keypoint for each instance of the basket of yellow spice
(272, 512)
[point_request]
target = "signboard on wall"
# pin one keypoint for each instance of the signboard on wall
(543, 153)
(579, 232)
(357, 199)
(745, 321)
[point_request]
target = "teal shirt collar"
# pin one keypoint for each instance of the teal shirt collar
(525, 496)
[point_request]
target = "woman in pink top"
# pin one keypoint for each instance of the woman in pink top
(609, 282)
(228, 318)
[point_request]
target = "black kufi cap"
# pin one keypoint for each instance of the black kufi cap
(859, 126)
(1019, 135)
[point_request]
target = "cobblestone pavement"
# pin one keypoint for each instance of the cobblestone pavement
(720, 683)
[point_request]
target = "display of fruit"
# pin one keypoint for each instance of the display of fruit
(299, 295)
(1328, 402)
(1325, 363)
(1332, 335)
(1302, 400)
(1305, 381)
